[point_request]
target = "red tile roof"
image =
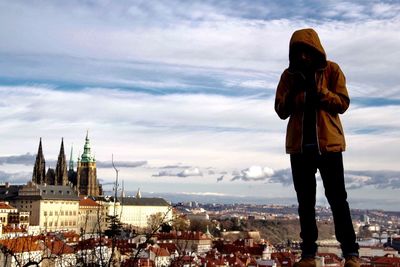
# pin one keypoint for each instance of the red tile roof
(58, 247)
(5, 206)
(88, 202)
(172, 247)
(160, 252)
(387, 260)
(21, 244)
(10, 229)
(142, 262)
(182, 235)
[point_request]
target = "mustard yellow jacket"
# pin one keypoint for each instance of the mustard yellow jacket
(332, 94)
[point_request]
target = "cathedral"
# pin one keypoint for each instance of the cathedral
(84, 179)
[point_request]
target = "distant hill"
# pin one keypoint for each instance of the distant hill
(277, 231)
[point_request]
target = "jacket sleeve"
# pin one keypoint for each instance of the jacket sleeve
(335, 99)
(284, 98)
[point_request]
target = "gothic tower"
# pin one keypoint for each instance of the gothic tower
(86, 173)
(39, 170)
(71, 172)
(61, 177)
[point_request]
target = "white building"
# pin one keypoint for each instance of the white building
(51, 207)
(136, 211)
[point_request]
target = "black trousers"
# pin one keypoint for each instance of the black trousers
(330, 165)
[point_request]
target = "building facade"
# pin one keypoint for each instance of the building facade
(84, 179)
(136, 211)
(92, 216)
(51, 207)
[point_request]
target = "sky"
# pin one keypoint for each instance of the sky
(181, 93)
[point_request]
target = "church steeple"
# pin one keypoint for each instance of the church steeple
(61, 177)
(39, 170)
(86, 172)
(87, 156)
(71, 160)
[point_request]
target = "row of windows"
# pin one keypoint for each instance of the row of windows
(62, 223)
(63, 202)
(59, 191)
(61, 213)
(22, 206)
(91, 211)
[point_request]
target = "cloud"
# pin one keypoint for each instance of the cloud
(266, 174)
(120, 164)
(380, 179)
(195, 47)
(254, 173)
(16, 177)
(355, 179)
(283, 176)
(188, 172)
(198, 86)
(173, 166)
(26, 159)
(203, 194)
(29, 160)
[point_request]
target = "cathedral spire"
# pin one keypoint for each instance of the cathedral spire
(61, 167)
(71, 160)
(87, 156)
(39, 170)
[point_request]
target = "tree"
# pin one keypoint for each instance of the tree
(180, 223)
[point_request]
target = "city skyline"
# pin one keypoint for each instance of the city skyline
(182, 93)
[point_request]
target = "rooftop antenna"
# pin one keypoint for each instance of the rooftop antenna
(116, 182)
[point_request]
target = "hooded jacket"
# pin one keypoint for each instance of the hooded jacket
(331, 98)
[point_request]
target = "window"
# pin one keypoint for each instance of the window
(45, 213)
(56, 213)
(50, 213)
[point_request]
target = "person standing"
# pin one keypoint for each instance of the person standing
(312, 93)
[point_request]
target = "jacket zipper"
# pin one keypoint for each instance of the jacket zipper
(316, 119)
(302, 117)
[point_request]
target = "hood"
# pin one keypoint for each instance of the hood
(310, 38)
